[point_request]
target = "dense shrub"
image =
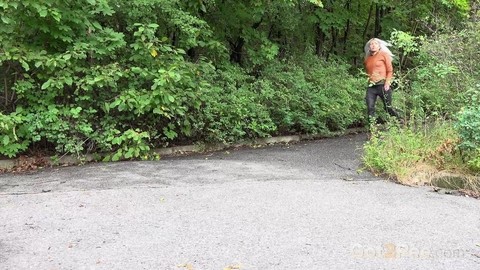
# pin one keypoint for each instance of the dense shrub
(285, 98)
(446, 67)
(229, 109)
(311, 97)
(125, 77)
(468, 128)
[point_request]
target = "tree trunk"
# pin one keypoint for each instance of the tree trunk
(236, 49)
(334, 35)
(378, 16)
(347, 29)
(367, 24)
(319, 40)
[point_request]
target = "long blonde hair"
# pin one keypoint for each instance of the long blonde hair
(383, 47)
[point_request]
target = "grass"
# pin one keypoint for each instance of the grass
(420, 154)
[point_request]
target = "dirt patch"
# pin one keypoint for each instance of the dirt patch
(428, 175)
(419, 175)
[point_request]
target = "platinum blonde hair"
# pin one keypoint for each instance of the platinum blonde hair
(383, 47)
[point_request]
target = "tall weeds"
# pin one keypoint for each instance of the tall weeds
(419, 154)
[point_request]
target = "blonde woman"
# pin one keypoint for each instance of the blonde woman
(378, 65)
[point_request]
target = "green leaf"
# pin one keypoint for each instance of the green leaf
(96, 25)
(6, 20)
(129, 153)
(76, 110)
(116, 141)
(56, 15)
(46, 84)
(25, 65)
(117, 156)
(69, 81)
(6, 140)
(43, 12)
(136, 70)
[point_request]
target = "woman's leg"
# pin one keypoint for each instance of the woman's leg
(386, 97)
(371, 98)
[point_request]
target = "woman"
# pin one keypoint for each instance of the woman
(378, 64)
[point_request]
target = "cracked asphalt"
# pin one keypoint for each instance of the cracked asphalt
(307, 205)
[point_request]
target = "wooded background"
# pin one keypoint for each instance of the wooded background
(124, 77)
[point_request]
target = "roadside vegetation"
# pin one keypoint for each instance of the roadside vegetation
(123, 78)
(440, 142)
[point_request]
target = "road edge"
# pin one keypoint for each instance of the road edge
(10, 164)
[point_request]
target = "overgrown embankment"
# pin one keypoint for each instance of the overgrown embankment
(424, 154)
(440, 142)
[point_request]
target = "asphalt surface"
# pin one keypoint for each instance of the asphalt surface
(300, 206)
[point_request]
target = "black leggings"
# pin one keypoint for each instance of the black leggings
(371, 97)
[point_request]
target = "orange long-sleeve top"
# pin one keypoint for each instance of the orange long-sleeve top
(379, 67)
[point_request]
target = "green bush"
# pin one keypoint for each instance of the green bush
(229, 110)
(285, 98)
(11, 140)
(291, 100)
(468, 128)
(344, 94)
(446, 66)
(89, 76)
(311, 96)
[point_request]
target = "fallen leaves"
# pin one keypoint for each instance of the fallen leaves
(186, 266)
(27, 163)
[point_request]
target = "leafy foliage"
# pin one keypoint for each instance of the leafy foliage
(437, 73)
(10, 143)
(230, 110)
(314, 97)
(443, 85)
(401, 152)
(125, 77)
(468, 128)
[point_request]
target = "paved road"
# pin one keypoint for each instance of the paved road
(302, 206)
